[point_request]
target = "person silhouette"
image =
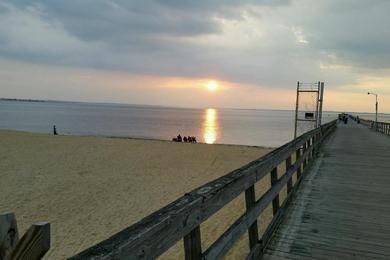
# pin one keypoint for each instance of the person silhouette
(55, 130)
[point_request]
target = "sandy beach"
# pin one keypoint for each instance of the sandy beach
(89, 188)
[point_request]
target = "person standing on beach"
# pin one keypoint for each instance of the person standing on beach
(55, 130)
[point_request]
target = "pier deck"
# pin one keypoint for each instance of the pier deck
(342, 208)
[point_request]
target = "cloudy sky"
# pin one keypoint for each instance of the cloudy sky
(165, 52)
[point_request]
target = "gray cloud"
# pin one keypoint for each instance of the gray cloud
(356, 31)
(287, 41)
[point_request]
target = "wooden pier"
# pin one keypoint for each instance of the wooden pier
(337, 206)
(342, 208)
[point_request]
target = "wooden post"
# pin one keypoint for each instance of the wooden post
(250, 200)
(275, 201)
(34, 243)
(9, 236)
(303, 152)
(297, 156)
(313, 143)
(289, 182)
(192, 245)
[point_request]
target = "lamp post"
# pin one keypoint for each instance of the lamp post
(376, 109)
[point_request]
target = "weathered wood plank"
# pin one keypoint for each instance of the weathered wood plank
(34, 243)
(250, 200)
(303, 151)
(193, 245)
(289, 183)
(342, 209)
(221, 246)
(297, 156)
(274, 180)
(159, 231)
(9, 236)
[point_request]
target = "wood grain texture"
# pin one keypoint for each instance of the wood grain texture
(297, 156)
(193, 245)
(34, 243)
(289, 183)
(342, 208)
(9, 236)
(250, 200)
(157, 232)
(221, 246)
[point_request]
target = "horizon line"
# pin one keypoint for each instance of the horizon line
(162, 106)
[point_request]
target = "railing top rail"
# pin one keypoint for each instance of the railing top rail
(371, 121)
(157, 232)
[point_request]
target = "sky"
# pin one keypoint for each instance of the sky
(165, 52)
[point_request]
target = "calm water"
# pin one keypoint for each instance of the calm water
(229, 126)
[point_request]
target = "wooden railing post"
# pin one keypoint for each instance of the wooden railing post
(34, 243)
(289, 182)
(250, 200)
(155, 234)
(297, 157)
(192, 245)
(32, 246)
(9, 236)
(314, 142)
(275, 201)
(303, 152)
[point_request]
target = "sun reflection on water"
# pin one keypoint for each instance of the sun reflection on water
(210, 126)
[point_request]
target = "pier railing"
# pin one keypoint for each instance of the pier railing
(181, 219)
(381, 127)
(33, 245)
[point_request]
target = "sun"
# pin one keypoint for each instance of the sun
(212, 85)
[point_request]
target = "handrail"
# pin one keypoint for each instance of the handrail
(181, 219)
(382, 127)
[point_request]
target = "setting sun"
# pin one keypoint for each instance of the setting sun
(212, 85)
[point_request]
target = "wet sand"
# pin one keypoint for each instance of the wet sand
(89, 188)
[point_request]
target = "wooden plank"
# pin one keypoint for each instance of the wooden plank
(342, 210)
(34, 243)
(154, 234)
(9, 236)
(280, 214)
(256, 252)
(289, 183)
(222, 245)
(297, 156)
(193, 245)
(303, 151)
(274, 180)
(250, 200)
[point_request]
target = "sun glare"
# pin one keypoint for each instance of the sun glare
(210, 126)
(212, 85)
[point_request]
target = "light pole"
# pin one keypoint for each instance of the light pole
(376, 109)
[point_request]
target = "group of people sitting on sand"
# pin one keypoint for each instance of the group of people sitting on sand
(186, 139)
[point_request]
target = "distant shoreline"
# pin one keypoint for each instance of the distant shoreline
(134, 138)
(163, 106)
(22, 100)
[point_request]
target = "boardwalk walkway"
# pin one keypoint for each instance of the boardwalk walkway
(342, 208)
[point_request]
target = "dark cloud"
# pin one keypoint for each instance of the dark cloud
(263, 42)
(357, 32)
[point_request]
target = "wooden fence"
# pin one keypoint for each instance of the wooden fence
(382, 127)
(32, 246)
(181, 219)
